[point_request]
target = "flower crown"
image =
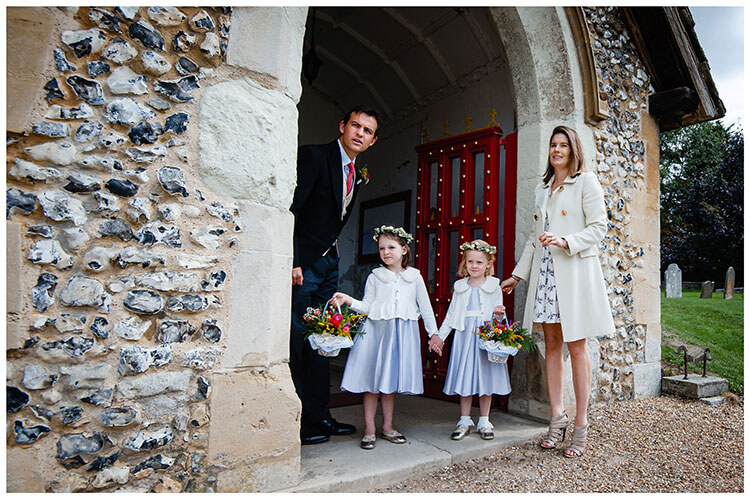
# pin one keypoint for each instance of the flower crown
(477, 246)
(389, 229)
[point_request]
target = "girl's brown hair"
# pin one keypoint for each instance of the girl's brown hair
(576, 164)
(406, 259)
(463, 271)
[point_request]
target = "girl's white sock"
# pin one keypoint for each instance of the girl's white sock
(484, 421)
(465, 421)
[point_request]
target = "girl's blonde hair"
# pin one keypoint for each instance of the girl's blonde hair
(489, 253)
(576, 163)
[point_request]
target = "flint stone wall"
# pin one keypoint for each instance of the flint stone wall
(138, 356)
(627, 164)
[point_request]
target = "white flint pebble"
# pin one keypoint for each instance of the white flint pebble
(131, 328)
(166, 16)
(103, 202)
(206, 73)
(96, 36)
(99, 258)
(207, 236)
(197, 261)
(51, 396)
(210, 45)
(98, 161)
(49, 251)
(128, 13)
(191, 211)
(169, 281)
(58, 153)
(126, 111)
(169, 212)
(119, 51)
(139, 210)
(140, 175)
(36, 378)
(26, 170)
(124, 80)
(111, 476)
(118, 284)
(112, 141)
(59, 207)
(154, 63)
(57, 112)
(85, 292)
(73, 238)
(67, 323)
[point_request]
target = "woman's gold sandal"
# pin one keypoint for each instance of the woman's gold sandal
(577, 441)
(556, 432)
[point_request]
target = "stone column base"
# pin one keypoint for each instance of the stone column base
(647, 379)
(254, 440)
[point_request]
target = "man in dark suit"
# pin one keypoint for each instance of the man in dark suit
(327, 185)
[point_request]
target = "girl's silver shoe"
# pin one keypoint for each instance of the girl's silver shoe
(486, 433)
(368, 442)
(460, 432)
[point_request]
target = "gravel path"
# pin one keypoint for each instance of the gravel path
(659, 444)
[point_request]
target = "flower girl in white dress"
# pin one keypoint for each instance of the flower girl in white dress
(476, 298)
(387, 358)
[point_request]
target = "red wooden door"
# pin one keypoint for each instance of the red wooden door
(466, 187)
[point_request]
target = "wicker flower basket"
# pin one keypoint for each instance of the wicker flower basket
(329, 345)
(497, 352)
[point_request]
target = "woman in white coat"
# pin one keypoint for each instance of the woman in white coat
(566, 293)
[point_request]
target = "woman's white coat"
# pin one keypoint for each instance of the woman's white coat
(577, 213)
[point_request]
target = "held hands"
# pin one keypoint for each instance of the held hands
(499, 310)
(436, 344)
(508, 285)
(339, 299)
(548, 238)
(297, 276)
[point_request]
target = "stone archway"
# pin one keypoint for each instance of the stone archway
(543, 59)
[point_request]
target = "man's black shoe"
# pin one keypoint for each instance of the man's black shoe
(333, 427)
(314, 435)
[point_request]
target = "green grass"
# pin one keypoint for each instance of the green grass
(716, 324)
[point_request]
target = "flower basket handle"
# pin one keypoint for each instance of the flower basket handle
(505, 321)
(338, 307)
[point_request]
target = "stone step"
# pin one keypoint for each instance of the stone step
(718, 400)
(339, 465)
(695, 386)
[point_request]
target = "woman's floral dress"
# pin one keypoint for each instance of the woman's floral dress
(546, 308)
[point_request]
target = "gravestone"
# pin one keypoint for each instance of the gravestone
(707, 289)
(729, 284)
(673, 280)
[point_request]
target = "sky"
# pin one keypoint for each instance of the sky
(720, 32)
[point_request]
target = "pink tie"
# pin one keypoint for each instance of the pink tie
(350, 178)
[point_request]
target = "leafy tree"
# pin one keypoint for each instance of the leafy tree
(702, 227)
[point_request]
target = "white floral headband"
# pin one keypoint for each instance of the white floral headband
(396, 231)
(476, 246)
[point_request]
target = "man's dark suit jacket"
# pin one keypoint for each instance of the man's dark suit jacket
(317, 201)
